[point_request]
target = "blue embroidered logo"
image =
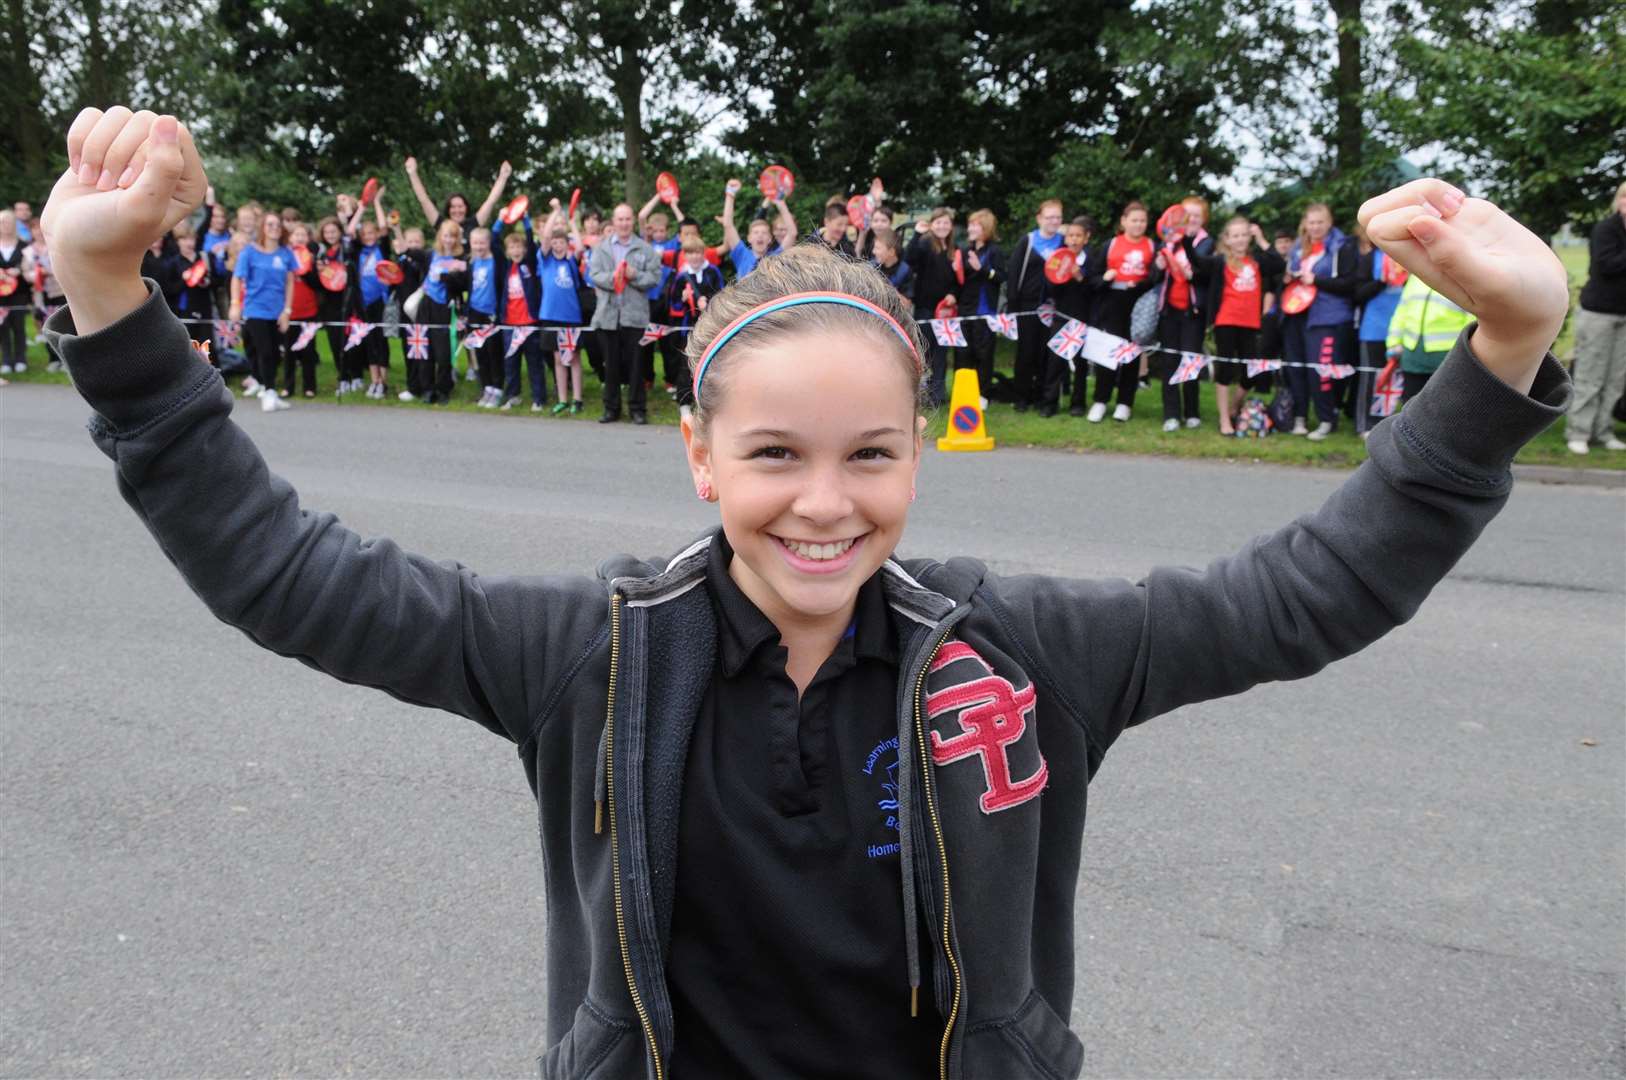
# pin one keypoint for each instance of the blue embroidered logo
(882, 763)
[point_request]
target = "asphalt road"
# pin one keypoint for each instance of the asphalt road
(219, 862)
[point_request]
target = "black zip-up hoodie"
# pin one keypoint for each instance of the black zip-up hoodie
(1011, 689)
(934, 274)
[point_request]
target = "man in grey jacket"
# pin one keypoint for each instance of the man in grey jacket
(623, 268)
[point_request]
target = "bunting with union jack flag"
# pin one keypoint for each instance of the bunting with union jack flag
(654, 332)
(356, 329)
(517, 338)
(228, 333)
(1191, 366)
(1386, 395)
(948, 333)
(1259, 367)
(417, 341)
(1069, 340)
(1109, 350)
(1004, 325)
(477, 335)
(307, 334)
(1047, 313)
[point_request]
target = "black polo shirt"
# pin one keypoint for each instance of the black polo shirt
(787, 955)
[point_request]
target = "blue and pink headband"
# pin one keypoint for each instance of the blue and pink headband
(780, 303)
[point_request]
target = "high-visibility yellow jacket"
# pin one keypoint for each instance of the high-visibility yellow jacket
(1424, 327)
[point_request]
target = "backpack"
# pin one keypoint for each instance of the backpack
(1143, 317)
(1281, 408)
(1254, 421)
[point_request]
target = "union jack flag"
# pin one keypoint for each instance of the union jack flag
(3, 313)
(517, 338)
(356, 329)
(1191, 366)
(1004, 325)
(1125, 351)
(569, 337)
(1334, 371)
(477, 335)
(1069, 340)
(1047, 313)
(1386, 396)
(948, 332)
(307, 331)
(654, 332)
(1258, 367)
(227, 333)
(417, 342)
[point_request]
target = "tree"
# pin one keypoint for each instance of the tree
(1528, 103)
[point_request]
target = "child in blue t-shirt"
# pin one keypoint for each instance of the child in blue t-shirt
(483, 312)
(562, 284)
(448, 276)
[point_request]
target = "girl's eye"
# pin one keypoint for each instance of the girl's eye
(873, 453)
(772, 453)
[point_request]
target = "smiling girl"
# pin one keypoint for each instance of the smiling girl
(805, 808)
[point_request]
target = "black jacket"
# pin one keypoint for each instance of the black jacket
(1025, 280)
(1270, 266)
(1605, 289)
(982, 283)
(186, 301)
(934, 274)
(1076, 299)
(902, 277)
(597, 681)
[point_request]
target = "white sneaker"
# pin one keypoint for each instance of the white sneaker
(251, 387)
(5, 369)
(20, 366)
(1613, 443)
(536, 406)
(406, 395)
(508, 405)
(54, 366)
(270, 402)
(1193, 422)
(1121, 414)
(1171, 425)
(1578, 446)
(1299, 428)
(1321, 432)
(1098, 412)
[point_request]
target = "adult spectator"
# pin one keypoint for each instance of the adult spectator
(1600, 338)
(623, 268)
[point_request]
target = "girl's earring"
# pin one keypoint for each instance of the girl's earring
(703, 490)
(911, 493)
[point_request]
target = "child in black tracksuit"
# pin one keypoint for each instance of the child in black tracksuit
(1026, 290)
(693, 282)
(191, 302)
(984, 267)
(888, 259)
(519, 304)
(1074, 299)
(930, 254)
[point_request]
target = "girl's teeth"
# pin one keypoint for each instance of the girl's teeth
(818, 551)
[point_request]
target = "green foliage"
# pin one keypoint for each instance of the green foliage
(1529, 101)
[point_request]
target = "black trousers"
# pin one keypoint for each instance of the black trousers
(980, 340)
(1182, 330)
(264, 342)
(305, 358)
(622, 355)
(1032, 334)
(13, 338)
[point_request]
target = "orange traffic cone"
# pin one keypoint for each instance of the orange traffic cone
(966, 430)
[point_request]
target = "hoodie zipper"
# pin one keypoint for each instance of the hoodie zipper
(615, 846)
(942, 851)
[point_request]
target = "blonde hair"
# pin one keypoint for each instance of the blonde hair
(449, 232)
(1233, 261)
(804, 268)
(694, 245)
(1304, 238)
(989, 223)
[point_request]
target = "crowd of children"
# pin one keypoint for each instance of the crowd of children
(1355, 337)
